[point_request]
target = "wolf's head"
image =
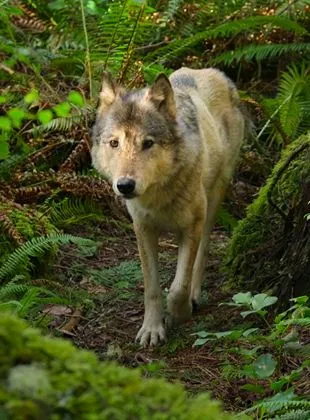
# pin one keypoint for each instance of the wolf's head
(134, 136)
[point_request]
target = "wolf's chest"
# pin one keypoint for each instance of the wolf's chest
(172, 217)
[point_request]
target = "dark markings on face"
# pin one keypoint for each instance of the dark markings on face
(129, 113)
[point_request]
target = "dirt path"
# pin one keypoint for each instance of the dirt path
(112, 276)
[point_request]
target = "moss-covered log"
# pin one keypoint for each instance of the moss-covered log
(270, 248)
(47, 378)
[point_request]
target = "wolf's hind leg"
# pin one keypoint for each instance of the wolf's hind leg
(214, 200)
(152, 330)
(179, 299)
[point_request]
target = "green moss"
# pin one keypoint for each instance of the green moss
(250, 253)
(48, 378)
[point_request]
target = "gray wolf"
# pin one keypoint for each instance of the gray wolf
(170, 150)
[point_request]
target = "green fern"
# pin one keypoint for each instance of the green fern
(22, 298)
(10, 306)
(229, 29)
(110, 33)
(80, 117)
(125, 275)
(262, 52)
(294, 90)
(281, 404)
(291, 107)
(74, 210)
(171, 9)
(36, 247)
(294, 415)
(11, 289)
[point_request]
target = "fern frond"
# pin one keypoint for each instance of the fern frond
(261, 52)
(294, 86)
(34, 248)
(294, 415)
(65, 124)
(285, 405)
(171, 9)
(228, 29)
(285, 401)
(8, 165)
(73, 210)
(11, 289)
(11, 306)
(29, 300)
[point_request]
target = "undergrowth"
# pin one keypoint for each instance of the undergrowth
(52, 57)
(261, 346)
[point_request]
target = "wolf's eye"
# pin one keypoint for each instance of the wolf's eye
(114, 143)
(147, 143)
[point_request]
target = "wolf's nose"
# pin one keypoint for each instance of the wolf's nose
(126, 185)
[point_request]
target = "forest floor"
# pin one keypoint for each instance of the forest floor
(109, 321)
(106, 318)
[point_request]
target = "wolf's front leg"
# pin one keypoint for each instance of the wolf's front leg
(152, 330)
(179, 300)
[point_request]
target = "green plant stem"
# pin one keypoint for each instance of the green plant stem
(114, 35)
(272, 116)
(88, 63)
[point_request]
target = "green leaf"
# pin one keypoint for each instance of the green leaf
(57, 5)
(257, 388)
(4, 150)
(76, 98)
(17, 115)
(242, 298)
(262, 300)
(233, 334)
(278, 385)
(249, 352)
(203, 334)
(5, 124)
(201, 341)
(300, 300)
(249, 371)
(3, 99)
(62, 110)
(32, 96)
(264, 366)
(45, 116)
(250, 331)
(246, 313)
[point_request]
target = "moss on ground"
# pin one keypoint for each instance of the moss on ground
(259, 243)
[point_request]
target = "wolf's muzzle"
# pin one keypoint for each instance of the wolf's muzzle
(126, 186)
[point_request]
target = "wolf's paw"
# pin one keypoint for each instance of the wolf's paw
(151, 334)
(179, 308)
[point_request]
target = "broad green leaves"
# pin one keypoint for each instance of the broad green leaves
(255, 304)
(76, 98)
(5, 123)
(11, 124)
(264, 366)
(62, 110)
(45, 116)
(17, 115)
(31, 97)
(205, 336)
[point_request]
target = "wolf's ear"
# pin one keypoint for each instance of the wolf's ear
(108, 92)
(161, 94)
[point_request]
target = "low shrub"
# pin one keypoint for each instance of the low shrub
(48, 378)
